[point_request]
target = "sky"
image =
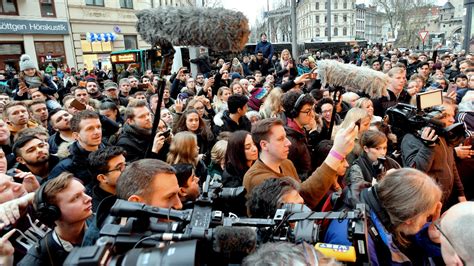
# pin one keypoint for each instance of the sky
(253, 8)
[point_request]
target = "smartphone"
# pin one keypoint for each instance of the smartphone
(185, 70)
(182, 97)
(165, 134)
(142, 86)
(78, 105)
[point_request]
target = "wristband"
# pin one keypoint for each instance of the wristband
(336, 155)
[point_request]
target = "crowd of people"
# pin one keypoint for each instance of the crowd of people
(74, 141)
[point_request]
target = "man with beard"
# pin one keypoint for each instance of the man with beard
(93, 90)
(59, 120)
(39, 112)
(112, 93)
(136, 133)
(33, 156)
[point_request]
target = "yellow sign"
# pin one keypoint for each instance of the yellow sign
(123, 58)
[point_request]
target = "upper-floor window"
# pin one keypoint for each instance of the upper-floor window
(95, 2)
(8, 7)
(317, 5)
(47, 8)
(344, 5)
(126, 4)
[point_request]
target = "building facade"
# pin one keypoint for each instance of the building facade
(38, 28)
(106, 18)
(312, 20)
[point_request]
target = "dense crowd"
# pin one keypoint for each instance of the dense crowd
(73, 141)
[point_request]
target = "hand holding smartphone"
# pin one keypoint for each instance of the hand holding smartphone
(78, 105)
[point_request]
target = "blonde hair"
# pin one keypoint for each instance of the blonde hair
(218, 151)
(272, 107)
(183, 149)
(352, 116)
(218, 103)
(282, 61)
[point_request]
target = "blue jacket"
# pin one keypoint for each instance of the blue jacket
(266, 48)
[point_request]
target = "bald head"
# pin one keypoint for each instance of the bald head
(456, 224)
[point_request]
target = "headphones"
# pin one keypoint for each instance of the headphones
(294, 112)
(45, 212)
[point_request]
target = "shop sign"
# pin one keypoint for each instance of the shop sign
(123, 58)
(15, 26)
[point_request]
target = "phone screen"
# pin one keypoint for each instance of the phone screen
(78, 105)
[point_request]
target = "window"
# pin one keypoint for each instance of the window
(317, 19)
(335, 4)
(344, 18)
(325, 19)
(326, 5)
(47, 8)
(335, 18)
(345, 4)
(335, 32)
(318, 32)
(326, 31)
(126, 4)
(8, 7)
(130, 42)
(317, 6)
(95, 2)
(344, 31)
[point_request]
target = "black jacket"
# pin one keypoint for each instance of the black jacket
(231, 126)
(77, 163)
(47, 252)
(382, 104)
(134, 141)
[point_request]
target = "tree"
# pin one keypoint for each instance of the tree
(405, 16)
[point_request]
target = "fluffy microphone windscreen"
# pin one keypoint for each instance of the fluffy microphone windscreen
(373, 83)
(234, 239)
(216, 28)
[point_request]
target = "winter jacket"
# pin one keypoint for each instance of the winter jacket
(437, 161)
(266, 48)
(47, 87)
(231, 126)
(364, 170)
(77, 163)
(136, 141)
(47, 252)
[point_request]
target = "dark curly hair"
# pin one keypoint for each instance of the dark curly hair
(266, 198)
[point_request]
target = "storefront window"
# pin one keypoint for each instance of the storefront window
(96, 54)
(50, 52)
(8, 7)
(130, 42)
(47, 8)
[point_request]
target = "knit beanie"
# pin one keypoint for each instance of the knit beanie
(25, 62)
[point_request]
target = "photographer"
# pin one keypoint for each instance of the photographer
(433, 155)
(399, 208)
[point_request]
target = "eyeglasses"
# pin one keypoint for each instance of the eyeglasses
(437, 224)
(120, 167)
(307, 112)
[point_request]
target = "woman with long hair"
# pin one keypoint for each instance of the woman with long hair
(401, 210)
(285, 67)
(192, 122)
(237, 67)
(184, 149)
(240, 155)
(272, 107)
(220, 100)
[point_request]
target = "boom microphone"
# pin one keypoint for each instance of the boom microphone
(229, 239)
(216, 28)
(371, 82)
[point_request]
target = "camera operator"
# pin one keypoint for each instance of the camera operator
(270, 137)
(188, 183)
(271, 194)
(63, 202)
(456, 234)
(433, 155)
(399, 208)
(107, 164)
(149, 181)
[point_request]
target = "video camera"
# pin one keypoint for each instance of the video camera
(405, 118)
(138, 234)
